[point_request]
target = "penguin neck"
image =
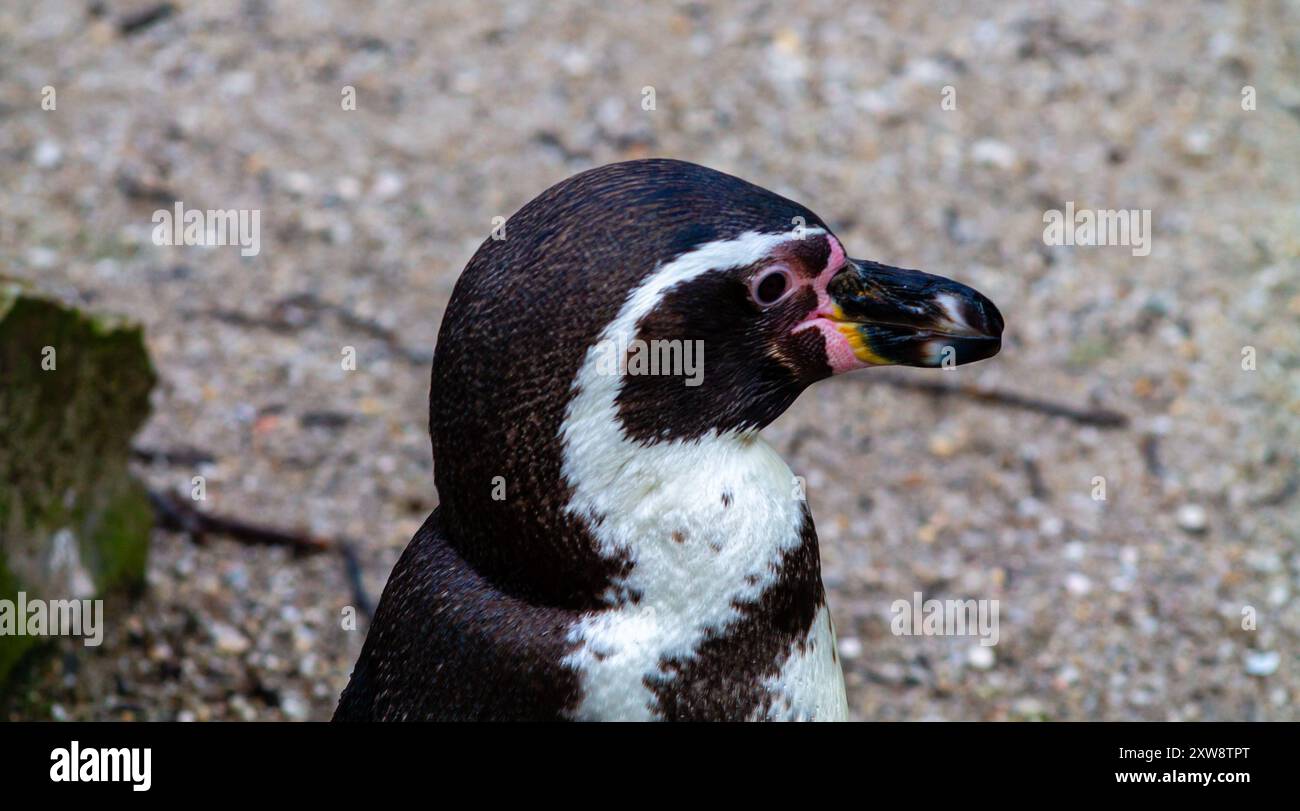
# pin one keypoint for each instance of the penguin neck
(700, 522)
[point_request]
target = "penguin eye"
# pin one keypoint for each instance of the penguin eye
(771, 286)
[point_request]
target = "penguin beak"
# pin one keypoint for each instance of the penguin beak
(896, 316)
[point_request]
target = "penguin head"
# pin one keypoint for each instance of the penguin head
(643, 303)
(727, 336)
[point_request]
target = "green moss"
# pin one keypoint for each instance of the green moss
(74, 390)
(12, 647)
(113, 548)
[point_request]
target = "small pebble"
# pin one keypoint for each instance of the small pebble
(1067, 676)
(387, 186)
(1077, 584)
(349, 188)
(42, 258)
(299, 183)
(239, 83)
(1262, 662)
(1051, 526)
(942, 446)
(980, 657)
(1028, 708)
(1192, 518)
(1198, 143)
(988, 152)
(47, 155)
(228, 639)
(242, 708)
(294, 706)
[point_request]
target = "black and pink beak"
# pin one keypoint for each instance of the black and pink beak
(893, 315)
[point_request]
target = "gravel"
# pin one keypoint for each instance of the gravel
(1168, 598)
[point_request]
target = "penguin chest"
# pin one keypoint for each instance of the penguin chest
(721, 614)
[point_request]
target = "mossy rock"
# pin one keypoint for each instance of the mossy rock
(74, 389)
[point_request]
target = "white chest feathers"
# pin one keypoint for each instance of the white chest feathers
(705, 525)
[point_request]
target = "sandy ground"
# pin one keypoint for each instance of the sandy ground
(1127, 608)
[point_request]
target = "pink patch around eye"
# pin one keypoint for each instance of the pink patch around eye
(838, 352)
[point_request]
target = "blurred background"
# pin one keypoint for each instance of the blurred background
(1125, 608)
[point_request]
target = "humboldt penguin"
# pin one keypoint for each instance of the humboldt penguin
(614, 540)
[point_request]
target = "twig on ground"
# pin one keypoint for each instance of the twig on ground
(1098, 417)
(1151, 456)
(184, 456)
(138, 21)
(175, 514)
(352, 570)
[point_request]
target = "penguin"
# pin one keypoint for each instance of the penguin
(614, 540)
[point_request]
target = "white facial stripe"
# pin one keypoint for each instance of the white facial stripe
(722, 255)
(662, 506)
